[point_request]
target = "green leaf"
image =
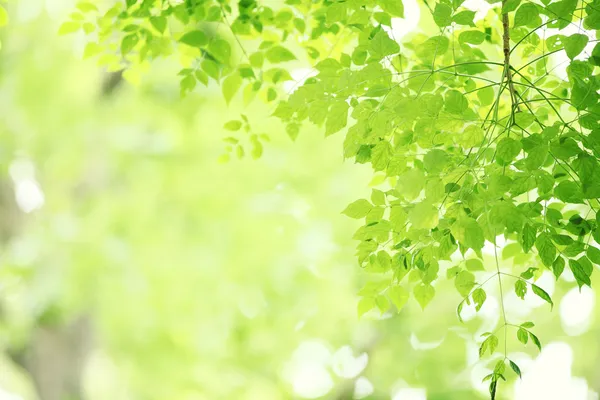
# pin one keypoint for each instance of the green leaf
(358, 209)
(546, 249)
(526, 14)
(393, 7)
(221, 50)
(522, 335)
(515, 368)
(472, 136)
(435, 160)
(464, 18)
(399, 296)
(65, 28)
(474, 264)
(558, 266)
(562, 240)
(479, 297)
(337, 117)
(595, 57)
(569, 192)
(381, 46)
(336, 12)
(91, 49)
(365, 305)
(580, 274)
(528, 274)
(542, 294)
(455, 102)
(464, 282)
(159, 23)
(472, 37)
(129, 42)
(510, 5)
(86, 6)
(459, 310)
(468, 233)
(194, 38)
(528, 237)
(507, 150)
(423, 294)
(520, 288)
(536, 341)
(423, 216)
(210, 68)
(411, 183)
(383, 304)
(524, 119)
(589, 170)
(230, 86)
(486, 97)
(575, 44)
(278, 54)
(493, 387)
(256, 59)
(490, 343)
(593, 254)
(233, 125)
(442, 15)
(528, 324)
(377, 197)
(398, 218)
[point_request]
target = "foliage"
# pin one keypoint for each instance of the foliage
(480, 148)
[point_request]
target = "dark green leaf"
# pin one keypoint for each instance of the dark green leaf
(593, 254)
(528, 237)
(569, 192)
(542, 294)
(515, 368)
(558, 266)
(546, 249)
(579, 273)
(536, 341)
(526, 14)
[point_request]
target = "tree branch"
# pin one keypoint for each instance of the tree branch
(507, 51)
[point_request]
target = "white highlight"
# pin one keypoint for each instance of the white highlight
(480, 7)
(363, 388)
(307, 372)
(4, 395)
(345, 365)
(410, 394)
(576, 310)
(28, 194)
(419, 345)
(403, 26)
(549, 376)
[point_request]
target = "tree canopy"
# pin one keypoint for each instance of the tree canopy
(481, 128)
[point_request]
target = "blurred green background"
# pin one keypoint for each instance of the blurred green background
(134, 265)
